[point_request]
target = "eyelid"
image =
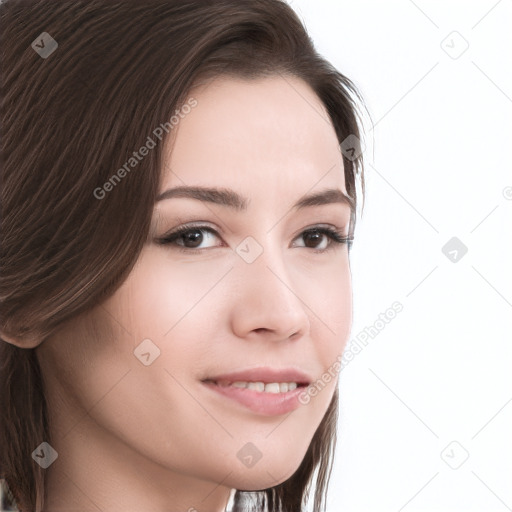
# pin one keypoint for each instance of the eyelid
(341, 230)
(190, 223)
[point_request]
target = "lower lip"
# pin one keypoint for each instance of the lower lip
(267, 404)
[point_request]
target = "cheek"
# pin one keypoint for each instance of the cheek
(330, 303)
(161, 295)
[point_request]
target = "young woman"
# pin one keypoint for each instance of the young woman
(178, 203)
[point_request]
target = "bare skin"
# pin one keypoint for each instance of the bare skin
(153, 438)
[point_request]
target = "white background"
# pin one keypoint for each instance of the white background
(438, 164)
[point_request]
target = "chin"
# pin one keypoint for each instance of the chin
(262, 476)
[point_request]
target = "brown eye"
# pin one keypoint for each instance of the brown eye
(189, 237)
(192, 238)
(312, 238)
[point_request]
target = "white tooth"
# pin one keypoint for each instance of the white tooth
(256, 386)
(272, 387)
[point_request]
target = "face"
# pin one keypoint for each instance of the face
(255, 290)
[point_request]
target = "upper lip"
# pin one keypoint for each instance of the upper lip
(264, 374)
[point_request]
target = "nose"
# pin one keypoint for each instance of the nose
(267, 304)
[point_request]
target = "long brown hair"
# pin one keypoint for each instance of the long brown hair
(83, 84)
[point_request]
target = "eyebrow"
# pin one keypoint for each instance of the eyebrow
(231, 199)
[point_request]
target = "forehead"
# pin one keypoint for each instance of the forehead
(247, 133)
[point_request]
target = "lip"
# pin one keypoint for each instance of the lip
(264, 374)
(266, 404)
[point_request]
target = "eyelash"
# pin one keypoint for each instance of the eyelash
(336, 238)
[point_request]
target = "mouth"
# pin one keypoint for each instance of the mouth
(264, 391)
(259, 386)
